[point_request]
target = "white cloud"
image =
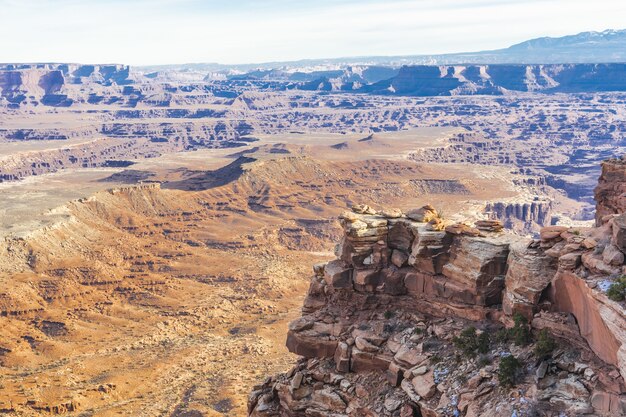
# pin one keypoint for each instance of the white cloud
(177, 31)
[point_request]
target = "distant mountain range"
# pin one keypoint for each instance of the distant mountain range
(608, 46)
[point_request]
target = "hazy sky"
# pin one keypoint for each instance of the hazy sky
(243, 31)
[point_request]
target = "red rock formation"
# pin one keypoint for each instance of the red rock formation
(396, 273)
(610, 194)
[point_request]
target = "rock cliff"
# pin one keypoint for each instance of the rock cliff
(417, 317)
(431, 80)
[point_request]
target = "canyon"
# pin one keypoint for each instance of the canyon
(157, 230)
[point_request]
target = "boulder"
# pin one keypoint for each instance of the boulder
(619, 232)
(410, 356)
(424, 385)
(311, 346)
(529, 272)
(550, 233)
(364, 361)
(327, 399)
(423, 214)
(399, 258)
(391, 213)
(342, 357)
(478, 265)
(489, 225)
(401, 235)
(337, 275)
(613, 256)
(430, 251)
(363, 209)
(462, 229)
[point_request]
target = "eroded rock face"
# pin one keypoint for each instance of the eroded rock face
(529, 272)
(610, 194)
(403, 287)
(602, 322)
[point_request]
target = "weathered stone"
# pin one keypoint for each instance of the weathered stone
(363, 209)
(342, 357)
(430, 251)
(391, 213)
(296, 380)
(367, 277)
(608, 404)
(478, 265)
(541, 370)
(399, 258)
(613, 256)
(409, 356)
(395, 374)
(408, 388)
(364, 362)
(423, 214)
(589, 243)
(362, 344)
(552, 233)
(401, 235)
(327, 399)
(393, 281)
(425, 385)
(570, 261)
(610, 194)
(529, 273)
(489, 225)
(337, 275)
(602, 325)
(310, 346)
(462, 229)
(619, 232)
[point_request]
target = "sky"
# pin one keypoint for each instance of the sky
(147, 32)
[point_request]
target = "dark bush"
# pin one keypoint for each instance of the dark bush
(617, 290)
(507, 371)
(470, 343)
(545, 344)
(520, 333)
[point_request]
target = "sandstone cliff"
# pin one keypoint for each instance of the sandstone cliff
(381, 330)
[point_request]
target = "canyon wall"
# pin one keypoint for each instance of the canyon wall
(424, 80)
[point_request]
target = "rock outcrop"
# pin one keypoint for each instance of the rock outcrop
(378, 331)
(610, 194)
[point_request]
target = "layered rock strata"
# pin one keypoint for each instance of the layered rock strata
(378, 322)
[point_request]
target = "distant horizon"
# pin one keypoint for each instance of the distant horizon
(246, 32)
(302, 60)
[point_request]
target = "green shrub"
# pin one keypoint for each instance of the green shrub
(389, 314)
(507, 371)
(469, 342)
(617, 290)
(483, 343)
(484, 360)
(520, 333)
(436, 358)
(418, 330)
(502, 336)
(545, 344)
